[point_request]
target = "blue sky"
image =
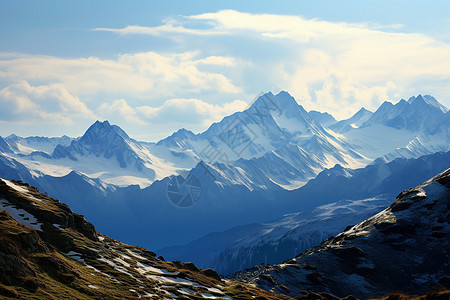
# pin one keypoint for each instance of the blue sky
(155, 66)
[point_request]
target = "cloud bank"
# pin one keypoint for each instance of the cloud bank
(326, 66)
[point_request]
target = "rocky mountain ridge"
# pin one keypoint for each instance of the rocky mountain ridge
(404, 247)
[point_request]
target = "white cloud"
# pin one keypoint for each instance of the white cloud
(119, 109)
(339, 67)
(48, 104)
(218, 61)
(335, 67)
(141, 75)
(188, 113)
(168, 28)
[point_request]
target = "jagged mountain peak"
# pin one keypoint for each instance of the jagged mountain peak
(102, 136)
(285, 97)
(414, 101)
(427, 100)
(104, 129)
(281, 103)
(183, 131)
(417, 114)
(104, 140)
(179, 138)
(363, 110)
(284, 94)
(360, 116)
(13, 137)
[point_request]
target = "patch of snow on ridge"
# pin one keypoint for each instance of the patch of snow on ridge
(20, 215)
(144, 268)
(16, 187)
(20, 189)
(76, 256)
(135, 254)
(92, 286)
(59, 227)
(127, 180)
(174, 280)
(210, 296)
(117, 267)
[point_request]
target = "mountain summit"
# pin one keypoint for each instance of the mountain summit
(421, 113)
(428, 100)
(103, 140)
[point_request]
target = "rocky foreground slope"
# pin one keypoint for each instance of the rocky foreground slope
(49, 252)
(405, 247)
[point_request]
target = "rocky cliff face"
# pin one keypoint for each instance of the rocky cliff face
(405, 247)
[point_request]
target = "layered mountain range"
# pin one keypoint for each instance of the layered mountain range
(252, 167)
(49, 252)
(336, 198)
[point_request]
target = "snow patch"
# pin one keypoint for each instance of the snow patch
(59, 227)
(135, 254)
(210, 296)
(75, 256)
(20, 189)
(144, 268)
(92, 286)
(20, 215)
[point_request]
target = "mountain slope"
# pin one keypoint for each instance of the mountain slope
(49, 252)
(274, 131)
(4, 146)
(349, 195)
(273, 242)
(400, 248)
(230, 196)
(12, 169)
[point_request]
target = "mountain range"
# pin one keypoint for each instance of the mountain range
(260, 186)
(49, 252)
(326, 205)
(251, 167)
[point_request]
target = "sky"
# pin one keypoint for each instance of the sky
(153, 67)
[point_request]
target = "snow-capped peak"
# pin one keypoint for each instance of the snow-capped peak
(428, 100)
(179, 139)
(103, 130)
(417, 114)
